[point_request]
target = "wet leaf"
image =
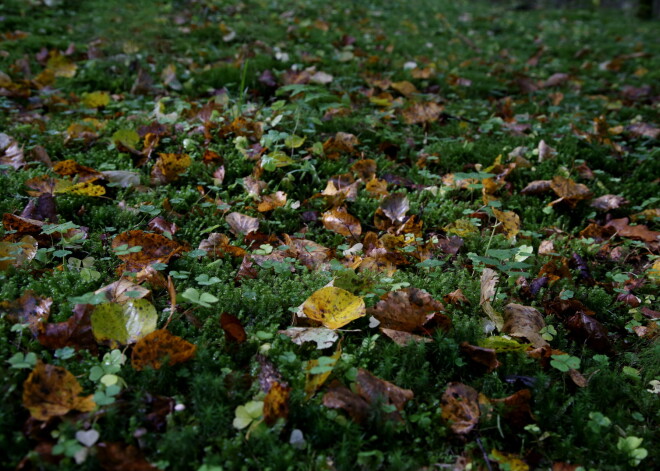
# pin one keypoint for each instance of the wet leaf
(160, 347)
(483, 356)
(234, 331)
(333, 307)
(460, 408)
(323, 337)
(340, 221)
(524, 321)
(29, 309)
(242, 224)
(123, 323)
(52, 391)
(406, 309)
(276, 403)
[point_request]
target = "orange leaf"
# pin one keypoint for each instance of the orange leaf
(52, 391)
(276, 403)
(155, 248)
(338, 220)
(153, 349)
(234, 331)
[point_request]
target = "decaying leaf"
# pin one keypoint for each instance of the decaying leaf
(512, 461)
(217, 245)
(406, 309)
(241, 223)
(144, 249)
(637, 232)
(589, 330)
(341, 143)
(333, 307)
(569, 191)
(608, 202)
(510, 222)
(524, 321)
(322, 336)
(460, 408)
(115, 456)
(489, 281)
(169, 167)
(422, 113)
(52, 391)
(234, 331)
(29, 309)
(122, 291)
(340, 397)
(402, 338)
(270, 202)
(276, 403)
(160, 347)
(123, 324)
(17, 253)
(483, 356)
(340, 221)
(75, 332)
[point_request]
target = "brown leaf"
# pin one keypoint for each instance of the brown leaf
(75, 332)
(341, 143)
(276, 403)
(578, 379)
(115, 456)
(608, 202)
(404, 87)
(310, 254)
(395, 206)
(373, 389)
(234, 331)
(71, 168)
(340, 397)
(406, 309)
(644, 130)
(365, 169)
(116, 292)
(340, 221)
(569, 191)
(524, 321)
(155, 249)
(29, 309)
(422, 113)
(153, 349)
(217, 245)
(545, 151)
(404, 338)
(484, 356)
(52, 391)
(460, 408)
(537, 187)
(590, 331)
(270, 202)
(456, 297)
(517, 408)
(268, 374)
(11, 153)
(241, 223)
(160, 225)
(638, 232)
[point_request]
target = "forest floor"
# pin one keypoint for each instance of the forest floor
(328, 235)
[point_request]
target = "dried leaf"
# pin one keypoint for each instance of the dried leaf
(545, 152)
(637, 232)
(537, 187)
(29, 309)
(460, 408)
(404, 338)
(270, 202)
(395, 207)
(75, 332)
(323, 337)
(524, 321)
(340, 397)
(52, 391)
(422, 113)
(276, 403)
(590, 331)
(340, 221)
(169, 167)
(569, 191)
(483, 356)
(313, 381)
(16, 254)
(341, 143)
(157, 347)
(406, 309)
(217, 245)
(510, 222)
(242, 224)
(118, 292)
(113, 456)
(510, 460)
(456, 297)
(234, 331)
(517, 408)
(373, 389)
(155, 248)
(608, 202)
(333, 307)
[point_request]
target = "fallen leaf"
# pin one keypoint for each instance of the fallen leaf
(169, 167)
(608, 202)
(590, 331)
(489, 281)
(483, 356)
(29, 309)
(340, 221)
(404, 338)
(524, 321)
(234, 331)
(333, 307)
(119, 291)
(510, 222)
(241, 223)
(123, 324)
(517, 408)
(323, 337)
(154, 248)
(276, 403)
(114, 456)
(422, 113)
(340, 397)
(374, 389)
(395, 206)
(152, 350)
(313, 381)
(456, 297)
(52, 391)
(510, 460)
(96, 99)
(341, 143)
(569, 191)
(637, 232)
(406, 309)
(217, 245)
(270, 202)
(537, 187)
(75, 332)
(545, 152)
(460, 408)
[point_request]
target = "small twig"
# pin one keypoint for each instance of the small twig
(481, 447)
(172, 292)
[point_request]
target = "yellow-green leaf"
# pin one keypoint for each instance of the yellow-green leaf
(123, 324)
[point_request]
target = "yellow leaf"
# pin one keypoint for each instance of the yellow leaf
(511, 460)
(510, 222)
(84, 189)
(314, 381)
(333, 307)
(461, 227)
(96, 99)
(654, 272)
(61, 66)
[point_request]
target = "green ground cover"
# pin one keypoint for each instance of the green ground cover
(479, 185)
